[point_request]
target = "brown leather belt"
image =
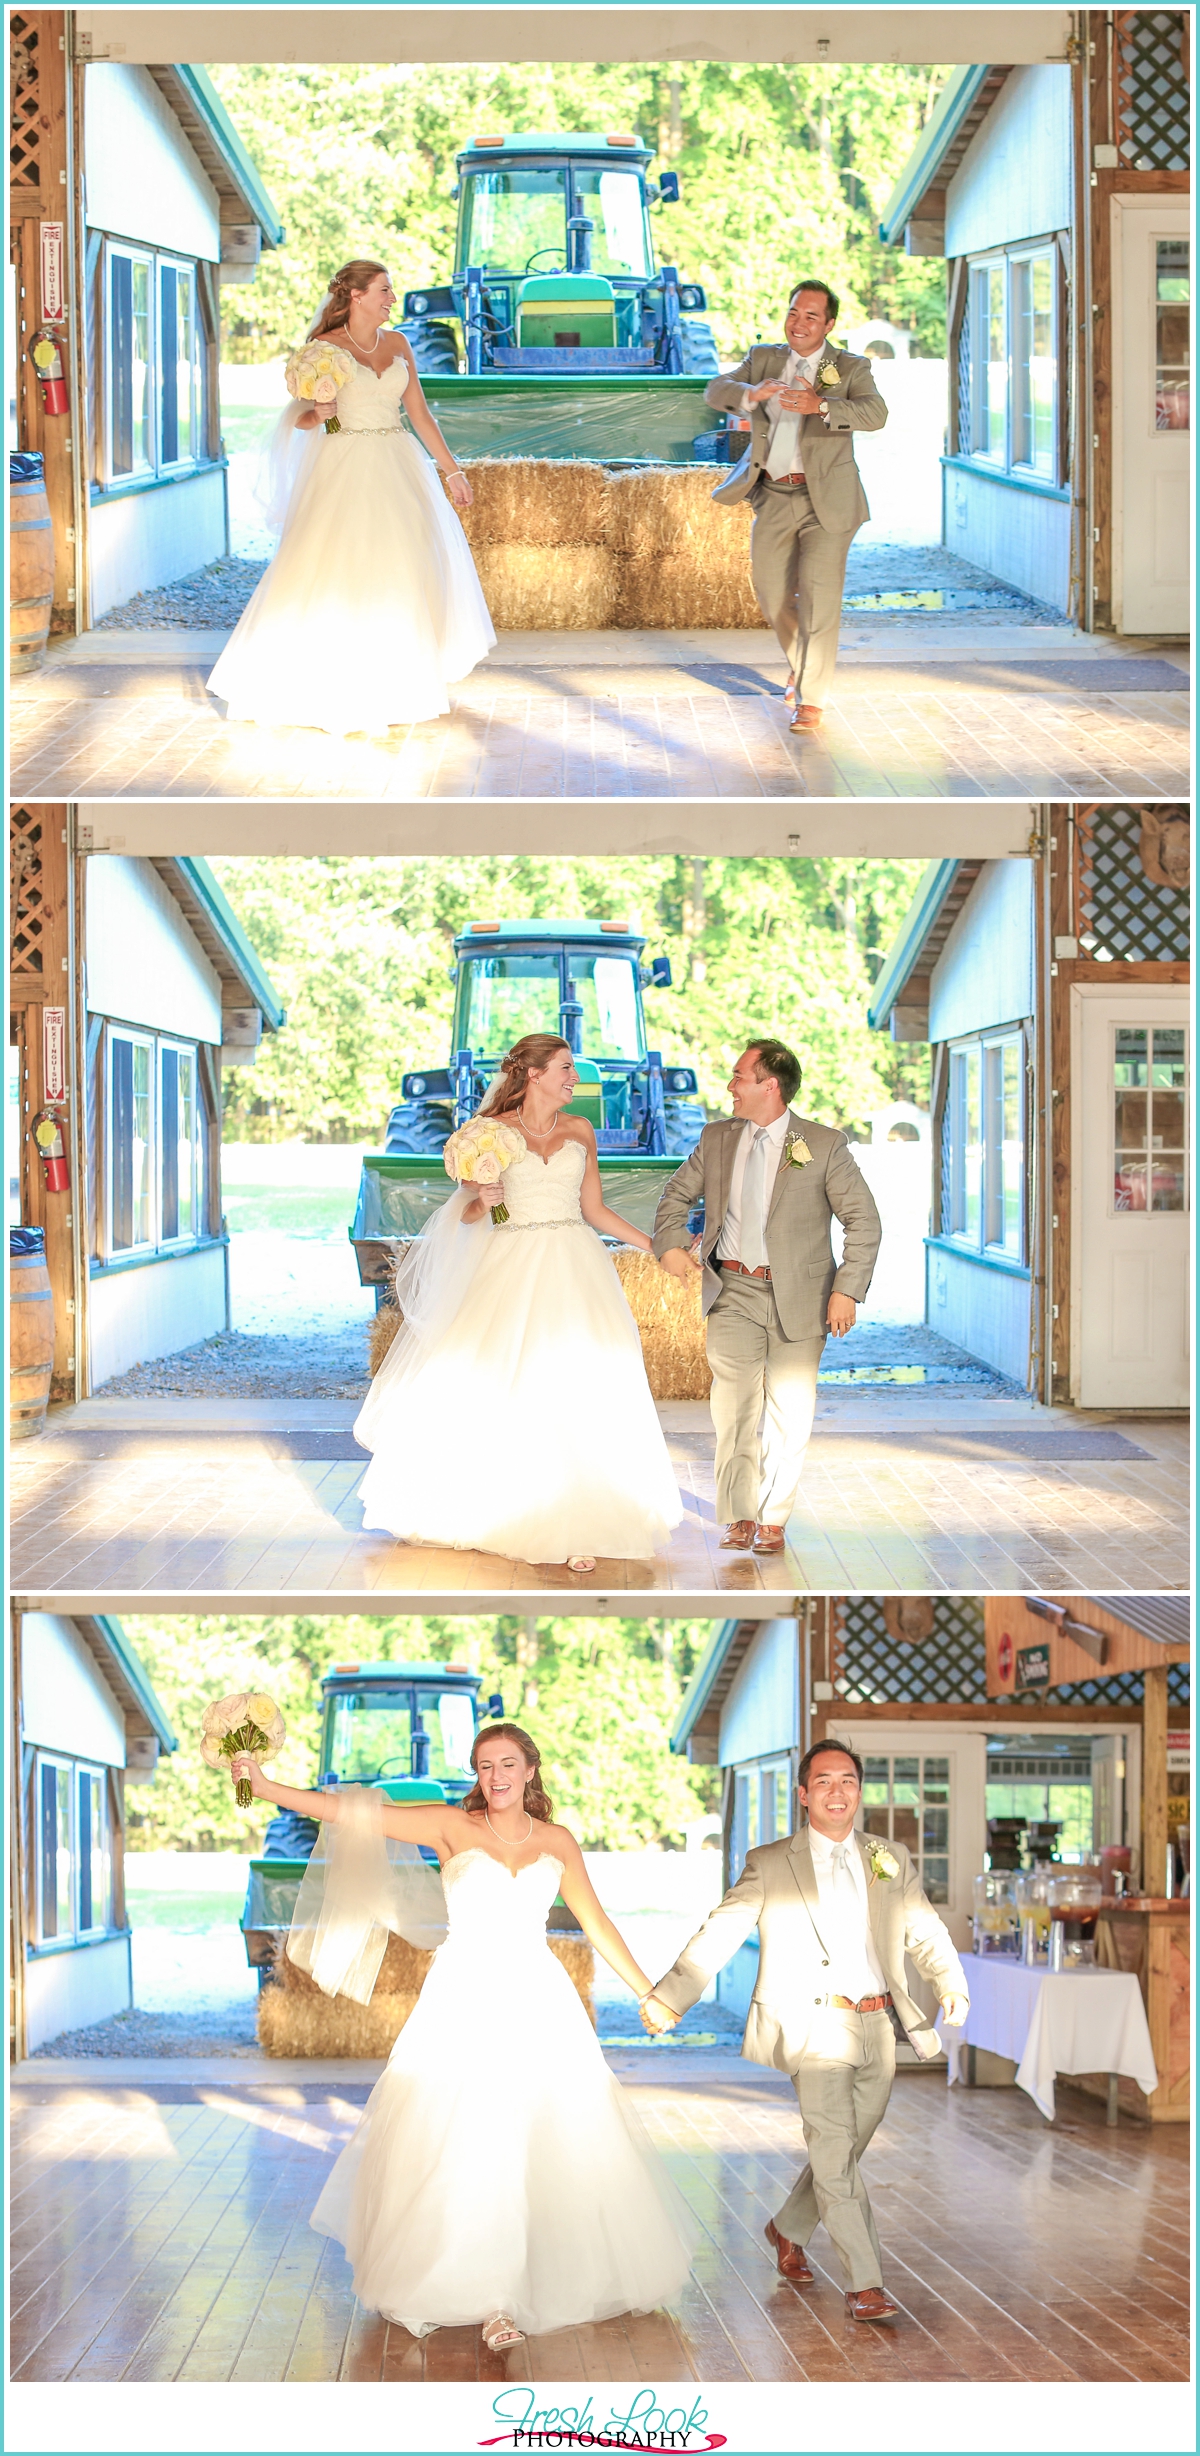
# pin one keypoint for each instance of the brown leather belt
(797, 478)
(866, 2004)
(743, 1270)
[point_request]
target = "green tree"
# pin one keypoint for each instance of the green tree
(600, 1698)
(361, 951)
(783, 171)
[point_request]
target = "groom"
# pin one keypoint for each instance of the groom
(805, 399)
(771, 1182)
(836, 1912)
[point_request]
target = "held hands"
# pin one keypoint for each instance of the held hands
(954, 2010)
(681, 1260)
(843, 1314)
(657, 2017)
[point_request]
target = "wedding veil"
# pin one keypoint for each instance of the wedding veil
(360, 1887)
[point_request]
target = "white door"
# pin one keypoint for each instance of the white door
(924, 1784)
(1130, 1315)
(1152, 525)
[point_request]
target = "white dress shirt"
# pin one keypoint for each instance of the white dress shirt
(855, 1969)
(729, 1242)
(797, 371)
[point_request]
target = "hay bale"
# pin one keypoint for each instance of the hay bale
(295, 2018)
(677, 594)
(380, 1336)
(671, 511)
(548, 588)
(667, 1313)
(536, 503)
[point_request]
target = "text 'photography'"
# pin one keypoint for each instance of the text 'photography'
(600, 1228)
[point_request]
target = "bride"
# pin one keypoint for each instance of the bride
(499, 2176)
(511, 1413)
(371, 606)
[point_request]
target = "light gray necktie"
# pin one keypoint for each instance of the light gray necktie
(844, 1887)
(753, 1236)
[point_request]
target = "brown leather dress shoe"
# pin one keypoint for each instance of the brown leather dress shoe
(871, 2303)
(806, 719)
(789, 2257)
(738, 1536)
(768, 1539)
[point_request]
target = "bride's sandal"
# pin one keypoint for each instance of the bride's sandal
(499, 2333)
(581, 1563)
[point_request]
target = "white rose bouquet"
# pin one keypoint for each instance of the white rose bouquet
(317, 373)
(246, 1724)
(479, 1154)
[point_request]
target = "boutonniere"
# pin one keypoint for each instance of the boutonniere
(798, 1153)
(828, 374)
(882, 1862)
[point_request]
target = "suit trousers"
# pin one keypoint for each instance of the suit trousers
(764, 1396)
(798, 570)
(841, 2106)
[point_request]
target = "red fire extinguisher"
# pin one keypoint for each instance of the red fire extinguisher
(46, 353)
(48, 1135)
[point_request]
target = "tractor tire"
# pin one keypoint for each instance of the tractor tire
(421, 1133)
(684, 1122)
(433, 347)
(699, 348)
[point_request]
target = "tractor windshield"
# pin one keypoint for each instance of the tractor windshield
(501, 997)
(370, 1735)
(605, 986)
(514, 221)
(612, 200)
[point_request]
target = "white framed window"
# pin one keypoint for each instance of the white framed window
(154, 1142)
(153, 363)
(1015, 350)
(72, 1850)
(1150, 1118)
(762, 1809)
(984, 1145)
(906, 1798)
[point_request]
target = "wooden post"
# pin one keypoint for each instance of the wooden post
(39, 193)
(1154, 1781)
(17, 1861)
(39, 955)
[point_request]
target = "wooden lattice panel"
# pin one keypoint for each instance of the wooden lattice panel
(30, 923)
(26, 119)
(947, 1668)
(1150, 99)
(1128, 907)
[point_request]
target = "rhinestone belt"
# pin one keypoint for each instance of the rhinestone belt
(369, 430)
(514, 1225)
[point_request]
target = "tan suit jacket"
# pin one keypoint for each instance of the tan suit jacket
(835, 488)
(804, 1201)
(789, 2018)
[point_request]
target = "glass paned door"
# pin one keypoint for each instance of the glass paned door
(906, 1798)
(1172, 338)
(1149, 1118)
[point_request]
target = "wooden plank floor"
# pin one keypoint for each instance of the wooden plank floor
(161, 2233)
(108, 728)
(919, 1495)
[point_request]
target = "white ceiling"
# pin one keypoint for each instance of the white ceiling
(892, 830)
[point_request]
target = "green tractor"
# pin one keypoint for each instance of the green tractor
(583, 979)
(558, 335)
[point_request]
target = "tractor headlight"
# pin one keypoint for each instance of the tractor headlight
(415, 1086)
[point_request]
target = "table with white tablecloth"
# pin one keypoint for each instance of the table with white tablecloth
(1048, 2021)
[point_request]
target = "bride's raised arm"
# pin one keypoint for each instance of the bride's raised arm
(427, 1823)
(594, 1208)
(580, 1895)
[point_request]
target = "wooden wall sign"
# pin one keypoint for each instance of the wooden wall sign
(1079, 1640)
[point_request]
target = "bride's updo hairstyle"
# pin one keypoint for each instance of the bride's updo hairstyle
(526, 1057)
(334, 310)
(535, 1802)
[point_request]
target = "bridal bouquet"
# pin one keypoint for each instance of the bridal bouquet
(317, 373)
(479, 1154)
(245, 1724)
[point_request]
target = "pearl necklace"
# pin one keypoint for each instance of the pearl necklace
(540, 1135)
(510, 1846)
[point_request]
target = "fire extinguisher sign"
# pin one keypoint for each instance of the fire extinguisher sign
(54, 1053)
(53, 294)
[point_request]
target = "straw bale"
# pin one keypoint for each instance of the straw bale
(579, 1962)
(380, 1336)
(401, 1971)
(677, 594)
(671, 511)
(295, 2018)
(667, 1313)
(548, 588)
(536, 503)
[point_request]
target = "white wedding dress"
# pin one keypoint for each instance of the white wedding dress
(371, 606)
(498, 2165)
(524, 1424)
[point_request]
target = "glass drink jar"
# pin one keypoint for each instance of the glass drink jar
(1075, 1897)
(994, 1914)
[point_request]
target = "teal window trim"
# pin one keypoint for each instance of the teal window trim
(111, 1265)
(1026, 484)
(77, 1944)
(118, 488)
(983, 1257)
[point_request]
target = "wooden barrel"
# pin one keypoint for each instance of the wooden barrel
(31, 1343)
(31, 570)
